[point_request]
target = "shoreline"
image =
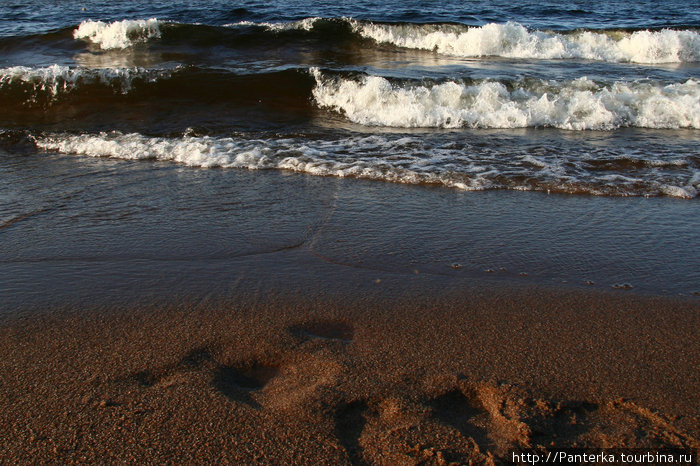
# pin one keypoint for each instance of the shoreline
(229, 232)
(261, 316)
(471, 374)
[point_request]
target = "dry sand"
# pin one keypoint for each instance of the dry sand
(429, 380)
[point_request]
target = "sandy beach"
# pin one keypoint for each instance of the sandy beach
(434, 379)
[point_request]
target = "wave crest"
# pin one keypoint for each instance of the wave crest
(512, 40)
(508, 40)
(581, 104)
(119, 34)
(44, 85)
(306, 24)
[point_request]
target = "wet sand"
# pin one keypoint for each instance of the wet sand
(434, 378)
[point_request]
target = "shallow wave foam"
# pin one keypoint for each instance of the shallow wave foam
(581, 104)
(47, 83)
(119, 34)
(400, 159)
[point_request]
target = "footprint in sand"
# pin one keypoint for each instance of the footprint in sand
(561, 423)
(236, 382)
(350, 421)
(467, 415)
(240, 383)
(480, 412)
(162, 376)
(502, 419)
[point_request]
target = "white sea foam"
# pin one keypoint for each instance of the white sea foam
(119, 34)
(684, 192)
(510, 40)
(580, 104)
(405, 159)
(55, 80)
(305, 24)
(513, 40)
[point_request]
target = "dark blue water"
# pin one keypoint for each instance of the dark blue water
(34, 16)
(401, 92)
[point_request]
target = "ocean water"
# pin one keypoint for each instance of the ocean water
(547, 96)
(591, 101)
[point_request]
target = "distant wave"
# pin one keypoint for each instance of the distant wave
(508, 40)
(581, 104)
(306, 24)
(512, 40)
(400, 159)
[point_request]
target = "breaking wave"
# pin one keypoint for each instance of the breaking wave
(581, 104)
(513, 40)
(42, 85)
(508, 40)
(119, 34)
